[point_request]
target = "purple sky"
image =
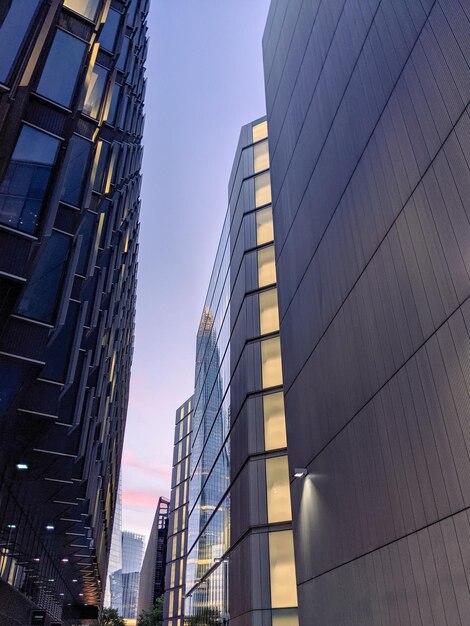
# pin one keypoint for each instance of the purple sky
(204, 81)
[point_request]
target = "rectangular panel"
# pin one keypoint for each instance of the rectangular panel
(264, 226)
(274, 421)
(282, 569)
(278, 490)
(271, 367)
(266, 266)
(268, 312)
(260, 156)
(262, 189)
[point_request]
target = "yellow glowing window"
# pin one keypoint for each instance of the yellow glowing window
(178, 473)
(268, 312)
(260, 131)
(274, 421)
(182, 413)
(266, 266)
(179, 601)
(285, 617)
(271, 368)
(171, 603)
(84, 7)
(180, 451)
(181, 573)
(183, 517)
(173, 548)
(282, 569)
(278, 490)
(261, 156)
(185, 491)
(262, 189)
(264, 226)
(172, 574)
(189, 406)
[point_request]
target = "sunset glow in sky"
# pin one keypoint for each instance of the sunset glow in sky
(204, 81)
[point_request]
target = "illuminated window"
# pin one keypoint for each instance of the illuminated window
(171, 603)
(172, 574)
(60, 73)
(268, 312)
(260, 156)
(271, 367)
(266, 266)
(278, 491)
(94, 94)
(173, 548)
(285, 617)
(282, 569)
(260, 131)
(264, 226)
(274, 421)
(262, 189)
(84, 7)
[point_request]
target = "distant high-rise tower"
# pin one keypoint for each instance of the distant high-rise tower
(132, 555)
(71, 117)
(152, 574)
(113, 589)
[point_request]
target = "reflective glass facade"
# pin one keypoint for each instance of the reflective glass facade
(239, 542)
(132, 557)
(175, 573)
(368, 111)
(71, 119)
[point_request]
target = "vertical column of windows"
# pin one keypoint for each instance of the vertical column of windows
(281, 549)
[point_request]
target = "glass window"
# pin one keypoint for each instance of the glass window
(58, 351)
(260, 131)
(282, 569)
(285, 617)
(131, 13)
(60, 73)
(79, 151)
(271, 367)
(111, 118)
(94, 94)
(274, 421)
(121, 62)
(264, 226)
(15, 18)
(262, 189)
(261, 156)
(101, 159)
(268, 312)
(24, 186)
(172, 574)
(110, 30)
(40, 296)
(278, 490)
(87, 8)
(266, 266)
(12, 374)
(87, 231)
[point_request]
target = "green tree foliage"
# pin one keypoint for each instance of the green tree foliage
(110, 617)
(154, 617)
(206, 617)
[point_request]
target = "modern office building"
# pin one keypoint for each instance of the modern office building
(113, 588)
(175, 573)
(370, 163)
(132, 555)
(240, 560)
(71, 99)
(152, 573)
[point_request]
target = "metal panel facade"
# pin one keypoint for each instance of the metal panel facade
(369, 140)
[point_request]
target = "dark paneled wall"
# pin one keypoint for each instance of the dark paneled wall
(370, 150)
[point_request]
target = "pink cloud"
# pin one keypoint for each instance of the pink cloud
(145, 499)
(129, 462)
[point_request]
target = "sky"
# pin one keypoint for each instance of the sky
(204, 81)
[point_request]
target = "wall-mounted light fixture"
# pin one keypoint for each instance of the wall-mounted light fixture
(300, 472)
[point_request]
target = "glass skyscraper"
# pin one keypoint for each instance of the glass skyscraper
(239, 554)
(132, 556)
(71, 117)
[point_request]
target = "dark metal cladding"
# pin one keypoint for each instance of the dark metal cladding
(71, 117)
(370, 163)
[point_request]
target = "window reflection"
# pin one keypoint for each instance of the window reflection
(268, 312)
(40, 295)
(260, 156)
(87, 8)
(262, 189)
(60, 73)
(114, 104)
(121, 62)
(271, 368)
(266, 266)
(274, 421)
(110, 30)
(260, 131)
(278, 490)
(264, 226)
(282, 569)
(79, 151)
(94, 95)
(24, 186)
(285, 617)
(15, 19)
